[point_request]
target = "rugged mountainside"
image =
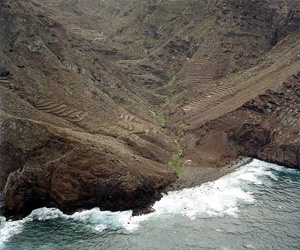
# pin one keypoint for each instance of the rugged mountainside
(101, 101)
(266, 127)
(60, 98)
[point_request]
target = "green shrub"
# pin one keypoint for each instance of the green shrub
(161, 120)
(174, 163)
(138, 130)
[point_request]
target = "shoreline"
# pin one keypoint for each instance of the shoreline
(196, 176)
(192, 177)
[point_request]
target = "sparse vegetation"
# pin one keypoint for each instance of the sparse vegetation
(159, 117)
(174, 163)
(180, 129)
(174, 80)
(166, 97)
(138, 130)
(128, 92)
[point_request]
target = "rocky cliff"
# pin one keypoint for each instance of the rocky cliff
(65, 108)
(103, 103)
(266, 127)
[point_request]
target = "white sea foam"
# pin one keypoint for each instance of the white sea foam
(45, 214)
(100, 228)
(9, 229)
(217, 198)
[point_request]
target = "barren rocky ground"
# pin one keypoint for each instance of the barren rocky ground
(107, 103)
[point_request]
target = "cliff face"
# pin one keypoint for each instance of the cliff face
(72, 122)
(98, 97)
(266, 127)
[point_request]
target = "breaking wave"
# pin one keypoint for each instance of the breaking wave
(222, 197)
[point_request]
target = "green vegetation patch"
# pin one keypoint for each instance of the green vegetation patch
(159, 117)
(174, 163)
(138, 130)
(174, 81)
(180, 129)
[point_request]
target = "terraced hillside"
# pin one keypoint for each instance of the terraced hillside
(104, 103)
(229, 93)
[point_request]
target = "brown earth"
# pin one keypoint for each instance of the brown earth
(101, 101)
(266, 127)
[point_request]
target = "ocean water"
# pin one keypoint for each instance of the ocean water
(255, 207)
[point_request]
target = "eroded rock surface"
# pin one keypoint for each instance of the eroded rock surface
(266, 127)
(99, 97)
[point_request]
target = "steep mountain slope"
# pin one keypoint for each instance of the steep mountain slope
(59, 98)
(230, 92)
(101, 100)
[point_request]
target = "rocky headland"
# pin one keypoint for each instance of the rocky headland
(109, 103)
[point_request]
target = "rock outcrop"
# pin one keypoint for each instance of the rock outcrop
(267, 127)
(100, 100)
(44, 165)
(75, 133)
(81, 178)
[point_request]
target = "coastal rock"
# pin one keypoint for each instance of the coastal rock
(97, 107)
(82, 178)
